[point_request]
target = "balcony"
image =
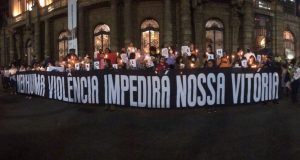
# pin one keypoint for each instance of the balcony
(55, 5)
(19, 17)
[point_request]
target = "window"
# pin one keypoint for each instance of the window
(29, 5)
(289, 44)
(150, 35)
(44, 3)
(263, 32)
(214, 34)
(29, 52)
(289, 6)
(16, 7)
(63, 44)
(101, 37)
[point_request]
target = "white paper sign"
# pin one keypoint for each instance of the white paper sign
(77, 66)
(220, 52)
(97, 65)
(115, 66)
(185, 50)
(132, 63)
(124, 57)
(210, 56)
(150, 63)
(258, 58)
(165, 52)
(87, 67)
(244, 63)
(58, 69)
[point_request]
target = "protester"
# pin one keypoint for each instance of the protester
(13, 81)
(285, 80)
(225, 63)
(162, 66)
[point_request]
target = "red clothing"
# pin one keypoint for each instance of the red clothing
(161, 67)
(112, 57)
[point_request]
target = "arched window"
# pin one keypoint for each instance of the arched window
(29, 51)
(101, 37)
(63, 44)
(214, 34)
(289, 44)
(150, 35)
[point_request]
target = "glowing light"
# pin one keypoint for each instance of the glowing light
(290, 56)
(192, 65)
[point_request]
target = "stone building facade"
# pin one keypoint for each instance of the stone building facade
(39, 27)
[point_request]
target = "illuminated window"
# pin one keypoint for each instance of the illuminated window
(289, 44)
(44, 3)
(63, 44)
(29, 5)
(214, 34)
(29, 52)
(17, 9)
(150, 35)
(101, 37)
(263, 32)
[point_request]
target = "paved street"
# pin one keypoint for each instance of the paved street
(41, 129)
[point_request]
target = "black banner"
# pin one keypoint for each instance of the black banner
(146, 89)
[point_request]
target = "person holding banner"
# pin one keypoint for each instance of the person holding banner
(162, 66)
(171, 59)
(111, 56)
(180, 62)
(224, 62)
(237, 62)
(13, 80)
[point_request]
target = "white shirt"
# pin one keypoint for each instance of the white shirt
(248, 55)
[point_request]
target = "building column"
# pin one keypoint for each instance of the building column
(11, 47)
(47, 38)
(168, 28)
(127, 22)
(2, 47)
(114, 25)
(235, 28)
(81, 32)
(37, 34)
(248, 24)
(18, 46)
(277, 30)
(186, 22)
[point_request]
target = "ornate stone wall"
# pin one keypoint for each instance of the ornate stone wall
(180, 22)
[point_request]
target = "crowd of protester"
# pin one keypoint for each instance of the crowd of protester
(134, 59)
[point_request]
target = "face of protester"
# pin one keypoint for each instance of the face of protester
(106, 50)
(210, 64)
(162, 60)
(241, 53)
(208, 49)
(251, 60)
